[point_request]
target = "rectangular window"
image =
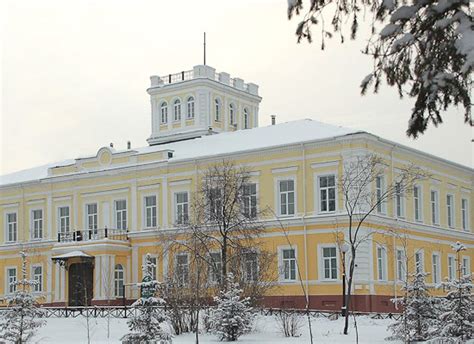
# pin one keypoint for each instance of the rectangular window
(451, 268)
(450, 210)
(330, 263)
(380, 190)
(215, 202)
(327, 193)
(287, 197)
(399, 200)
(11, 280)
(251, 266)
(419, 263)
(381, 264)
(288, 264)
(436, 268)
(12, 227)
(181, 211)
(434, 198)
(64, 220)
(216, 268)
(150, 211)
(37, 224)
(249, 199)
(91, 217)
(465, 214)
(418, 203)
(466, 266)
(37, 276)
(119, 279)
(121, 214)
(182, 269)
(401, 265)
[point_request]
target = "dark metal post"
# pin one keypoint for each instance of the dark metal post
(123, 297)
(59, 237)
(169, 78)
(105, 231)
(343, 308)
(182, 76)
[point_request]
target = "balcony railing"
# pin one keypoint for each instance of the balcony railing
(172, 78)
(93, 234)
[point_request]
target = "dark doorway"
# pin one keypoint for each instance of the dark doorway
(81, 284)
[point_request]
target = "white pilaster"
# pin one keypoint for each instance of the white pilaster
(62, 273)
(134, 206)
(128, 277)
(75, 205)
(49, 277)
(57, 294)
(165, 202)
(135, 267)
(49, 216)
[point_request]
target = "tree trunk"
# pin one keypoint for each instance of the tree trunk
(224, 262)
(349, 288)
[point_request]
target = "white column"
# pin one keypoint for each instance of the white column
(104, 272)
(111, 280)
(165, 202)
(134, 206)
(97, 263)
(49, 277)
(62, 273)
(56, 282)
(128, 277)
(135, 267)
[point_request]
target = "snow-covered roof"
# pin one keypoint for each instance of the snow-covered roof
(72, 254)
(282, 134)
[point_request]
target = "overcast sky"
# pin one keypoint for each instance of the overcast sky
(74, 75)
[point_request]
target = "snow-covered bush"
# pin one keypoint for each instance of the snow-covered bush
(233, 316)
(149, 324)
(22, 318)
(418, 317)
(290, 323)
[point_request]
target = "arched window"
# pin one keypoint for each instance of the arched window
(119, 280)
(218, 110)
(246, 119)
(164, 112)
(231, 114)
(190, 113)
(177, 110)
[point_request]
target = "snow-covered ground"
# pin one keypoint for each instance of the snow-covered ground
(73, 330)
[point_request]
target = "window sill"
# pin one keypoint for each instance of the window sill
(288, 282)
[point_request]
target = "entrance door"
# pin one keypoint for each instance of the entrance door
(80, 284)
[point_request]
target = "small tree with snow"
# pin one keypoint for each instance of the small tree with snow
(22, 318)
(457, 320)
(418, 318)
(233, 316)
(149, 324)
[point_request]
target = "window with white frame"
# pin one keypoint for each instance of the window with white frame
(419, 262)
(11, 280)
(417, 199)
(91, 217)
(251, 266)
(37, 277)
(381, 263)
(465, 214)
(466, 266)
(181, 207)
(288, 261)
(249, 200)
(64, 219)
(182, 269)
(217, 113)
(327, 193)
(36, 224)
(164, 112)
(286, 190)
(215, 273)
(231, 114)
(119, 280)
(190, 107)
(380, 193)
(399, 200)
(215, 197)
(451, 267)
(11, 227)
(329, 263)
(150, 211)
(450, 210)
(401, 265)
(434, 200)
(177, 110)
(121, 214)
(436, 268)
(246, 119)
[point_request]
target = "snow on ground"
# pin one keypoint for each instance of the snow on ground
(73, 330)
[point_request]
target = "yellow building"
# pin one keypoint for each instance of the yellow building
(98, 216)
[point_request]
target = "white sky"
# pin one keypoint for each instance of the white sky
(74, 74)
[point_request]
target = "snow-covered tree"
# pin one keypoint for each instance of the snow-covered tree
(149, 324)
(423, 48)
(22, 318)
(418, 317)
(233, 316)
(457, 320)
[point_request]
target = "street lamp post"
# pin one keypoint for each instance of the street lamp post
(344, 249)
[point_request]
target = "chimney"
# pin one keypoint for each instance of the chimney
(111, 145)
(129, 145)
(273, 119)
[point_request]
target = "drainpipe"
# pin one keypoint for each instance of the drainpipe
(304, 225)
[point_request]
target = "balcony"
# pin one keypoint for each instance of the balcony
(93, 234)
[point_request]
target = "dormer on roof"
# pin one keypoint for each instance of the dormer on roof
(200, 102)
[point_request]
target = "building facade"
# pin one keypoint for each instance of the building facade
(88, 223)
